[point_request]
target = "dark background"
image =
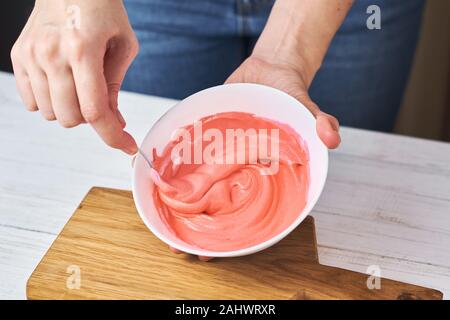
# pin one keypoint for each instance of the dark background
(13, 15)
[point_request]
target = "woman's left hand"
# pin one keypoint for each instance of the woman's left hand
(288, 78)
(282, 77)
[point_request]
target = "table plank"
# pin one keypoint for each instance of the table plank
(386, 202)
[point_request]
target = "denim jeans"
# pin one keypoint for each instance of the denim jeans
(189, 45)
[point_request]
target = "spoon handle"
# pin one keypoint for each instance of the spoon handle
(145, 157)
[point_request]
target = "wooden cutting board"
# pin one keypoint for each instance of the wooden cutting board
(106, 252)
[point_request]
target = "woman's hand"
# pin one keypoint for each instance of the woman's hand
(201, 258)
(289, 52)
(290, 80)
(291, 49)
(69, 63)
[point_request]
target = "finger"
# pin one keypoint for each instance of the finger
(203, 258)
(327, 129)
(122, 121)
(113, 104)
(23, 84)
(94, 102)
(333, 121)
(308, 103)
(41, 91)
(175, 250)
(64, 97)
(113, 95)
(327, 126)
(233, 78)
(118, 57)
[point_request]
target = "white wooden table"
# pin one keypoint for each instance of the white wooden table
(386, 201)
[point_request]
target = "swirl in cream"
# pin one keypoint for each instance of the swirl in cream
(225, 206)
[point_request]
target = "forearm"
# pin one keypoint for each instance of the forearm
(299, 32)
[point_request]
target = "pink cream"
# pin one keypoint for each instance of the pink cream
(232, 206)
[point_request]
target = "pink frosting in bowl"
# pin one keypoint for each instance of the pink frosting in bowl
(227, 206)
(222, 208)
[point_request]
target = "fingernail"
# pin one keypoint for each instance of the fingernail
(204, 259)
(176, 251)
(131, 150)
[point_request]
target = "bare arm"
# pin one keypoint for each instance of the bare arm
(291, 49)
(299, 32)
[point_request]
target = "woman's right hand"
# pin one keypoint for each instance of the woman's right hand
(70, 61)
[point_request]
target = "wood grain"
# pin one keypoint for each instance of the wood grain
(119, 258)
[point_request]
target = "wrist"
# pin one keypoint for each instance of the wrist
(284, 42)
(298, 33)
(287, 56)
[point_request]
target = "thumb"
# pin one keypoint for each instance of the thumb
(118, 58)
(235, 77)
(327, 126)
(113, 95)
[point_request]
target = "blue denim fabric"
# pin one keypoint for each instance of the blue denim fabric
(189, 45)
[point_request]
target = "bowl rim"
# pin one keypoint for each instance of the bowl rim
(240, 252)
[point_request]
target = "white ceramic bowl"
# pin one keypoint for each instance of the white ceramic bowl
(260, 100)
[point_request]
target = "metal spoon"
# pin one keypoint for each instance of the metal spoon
(149, 162)
(154, 175)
